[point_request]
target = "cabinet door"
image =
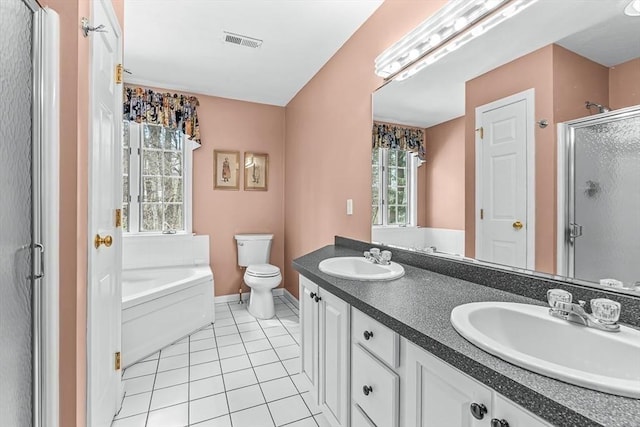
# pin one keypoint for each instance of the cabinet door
(334, 359)
(309, 334)
(436, 394)
(515, 415)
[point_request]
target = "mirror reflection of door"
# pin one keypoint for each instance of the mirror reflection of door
(502, 224)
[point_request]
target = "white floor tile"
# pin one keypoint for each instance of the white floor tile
(208, 407)
(243, 317)
(223, 322)
(228, 340)
(239, 379)
(202, 345)
(282, 341)
(169, 396)
(154, 356)
(231, 351)
(263, 357)
(135, 421)
(223, 314)
(173, 362)
(253, 417)
(140, 369)
(139, 384)
(252, 335)
(276, 331)
(235, 364)
(223, 421)
(277, 389)
(301, 384)
(249, 326)
(259, 345)
(201, 335)
(204, 370)
(171, 378)
(290, 322)
(292, 365)
(269, 323)
(206, 387)
(288, 410)
(321, 420)
(175, 349)
(134, 405)
(288, 352)
(307, 422)
(244, 398)
(270, 371)
(226, 330)
(313, 407)
(203, 356)
(173, 416)
(235, 306)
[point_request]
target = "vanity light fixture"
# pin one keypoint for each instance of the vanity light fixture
(633, 8)
(457, 23)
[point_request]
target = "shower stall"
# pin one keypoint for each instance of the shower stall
(599, 197)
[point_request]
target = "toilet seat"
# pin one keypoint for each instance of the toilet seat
(263, 270)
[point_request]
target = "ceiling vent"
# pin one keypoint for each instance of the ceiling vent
(241, 40)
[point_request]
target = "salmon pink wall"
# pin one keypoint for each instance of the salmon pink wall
(624, 84)
(243, 126)
(328, 137)
(444, 175)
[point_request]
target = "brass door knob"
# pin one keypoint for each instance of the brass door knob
(106, 240)
(517, 225)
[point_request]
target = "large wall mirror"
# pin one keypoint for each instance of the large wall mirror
(531, 147)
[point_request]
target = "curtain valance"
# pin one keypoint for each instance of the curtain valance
(399, 137)
(167, 109)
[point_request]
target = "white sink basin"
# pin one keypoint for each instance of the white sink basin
(358, 268)
(527, 336)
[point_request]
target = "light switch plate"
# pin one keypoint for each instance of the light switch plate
(349, 206)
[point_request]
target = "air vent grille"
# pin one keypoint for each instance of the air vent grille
(241, 40)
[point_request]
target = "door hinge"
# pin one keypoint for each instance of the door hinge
(481, 130)
(119, 71)
(481, 213)
(117, 361)
(118, 218)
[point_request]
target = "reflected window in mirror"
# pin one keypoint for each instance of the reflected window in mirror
(393, 188)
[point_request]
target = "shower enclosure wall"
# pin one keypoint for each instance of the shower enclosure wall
(599, 197)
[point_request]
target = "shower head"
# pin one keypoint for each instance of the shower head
(601, 108)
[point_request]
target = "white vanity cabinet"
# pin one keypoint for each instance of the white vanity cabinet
(325, 352)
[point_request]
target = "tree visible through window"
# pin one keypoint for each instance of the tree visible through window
(390, 188)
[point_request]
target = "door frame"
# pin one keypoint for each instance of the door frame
(529, 97)
(117, 244)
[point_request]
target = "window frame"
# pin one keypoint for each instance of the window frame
(412, 190)
(135, 184)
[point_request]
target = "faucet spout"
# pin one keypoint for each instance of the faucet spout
(605, 319)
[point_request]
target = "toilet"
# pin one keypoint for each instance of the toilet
(260, 276)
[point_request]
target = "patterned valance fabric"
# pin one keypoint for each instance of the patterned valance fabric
(167, 109)
(399, 138)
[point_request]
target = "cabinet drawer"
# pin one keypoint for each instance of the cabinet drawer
(378, 339)
(374, 387)
(358, 417)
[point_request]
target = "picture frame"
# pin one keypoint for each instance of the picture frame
(256, 171)
(226, 170)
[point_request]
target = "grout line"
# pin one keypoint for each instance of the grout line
(224, 385)
(146, 420)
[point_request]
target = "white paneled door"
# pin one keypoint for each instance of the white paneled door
(502, 183)
(105, 238)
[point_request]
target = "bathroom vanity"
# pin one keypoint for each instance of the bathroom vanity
(385, 353)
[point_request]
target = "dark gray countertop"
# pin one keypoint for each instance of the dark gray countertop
(418, 306)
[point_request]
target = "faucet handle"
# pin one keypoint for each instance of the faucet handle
(386, 256)
(605, 310)
(558, 295)
(374, 251)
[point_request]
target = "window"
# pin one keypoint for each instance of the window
(393, 188)
(156, 179)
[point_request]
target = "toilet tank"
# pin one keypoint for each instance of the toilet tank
(253, 248)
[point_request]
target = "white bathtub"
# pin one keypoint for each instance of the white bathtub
(162, 305)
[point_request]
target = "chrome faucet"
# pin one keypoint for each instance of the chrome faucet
(605, 312)
(375, 256)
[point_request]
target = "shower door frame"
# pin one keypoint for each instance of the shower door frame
(565, 260)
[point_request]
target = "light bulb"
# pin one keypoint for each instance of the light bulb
(394, 66)
(477, 31)
(460, 23)
(490, 4)
(413, 54)
(435, 39)
(509, 11)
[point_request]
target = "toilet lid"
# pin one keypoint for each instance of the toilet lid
(263, 270)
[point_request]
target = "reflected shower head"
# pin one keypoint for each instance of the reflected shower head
(601, 108)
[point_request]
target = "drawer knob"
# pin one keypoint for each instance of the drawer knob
(368, 389)
(499, 423)
(478, 410)
(312, 295)
(368, 335)
(318, 298)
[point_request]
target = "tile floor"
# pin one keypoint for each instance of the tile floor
(238, 372)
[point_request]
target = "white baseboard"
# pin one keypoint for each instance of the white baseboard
(289, 296)
(245, 296)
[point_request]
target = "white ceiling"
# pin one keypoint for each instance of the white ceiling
(596, 29)
(178, 44)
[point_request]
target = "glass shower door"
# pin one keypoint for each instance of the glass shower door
(16, 86)
(606, 199)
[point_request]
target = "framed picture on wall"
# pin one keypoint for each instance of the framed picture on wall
(256, 171)
(226, 170)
